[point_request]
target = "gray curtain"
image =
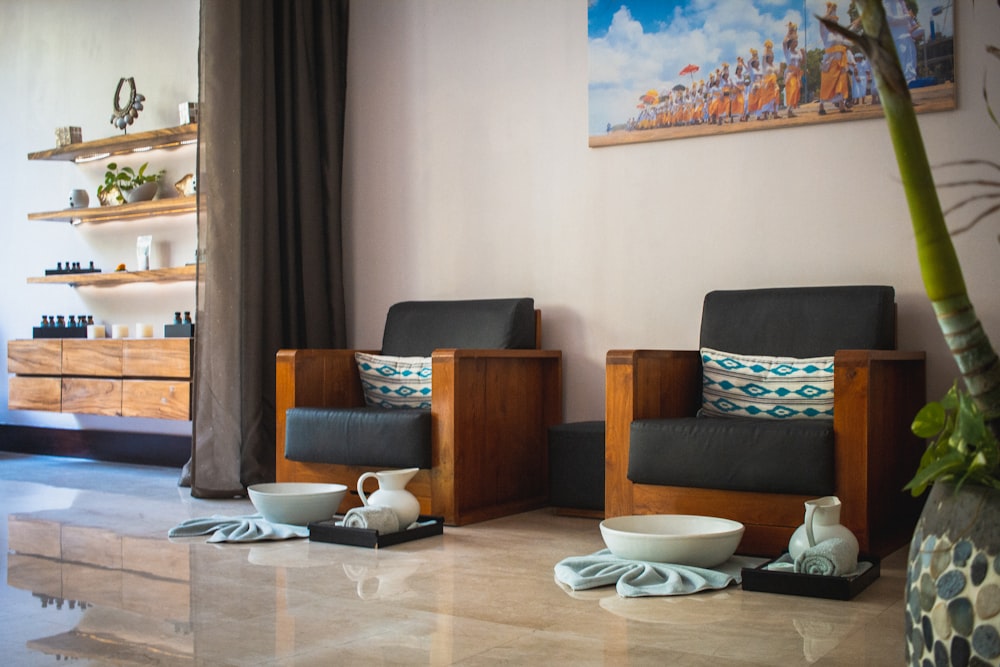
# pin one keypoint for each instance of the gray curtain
(273, 78)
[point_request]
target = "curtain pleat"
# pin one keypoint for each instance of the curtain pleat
(273, 79)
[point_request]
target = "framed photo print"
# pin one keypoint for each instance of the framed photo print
(670, 69)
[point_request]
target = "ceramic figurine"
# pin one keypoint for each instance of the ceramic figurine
(79, 199)
(186, 186)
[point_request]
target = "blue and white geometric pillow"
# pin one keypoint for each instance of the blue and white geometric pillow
(395, 382)
(736, 385)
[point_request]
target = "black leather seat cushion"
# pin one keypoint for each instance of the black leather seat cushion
(378, 437)
(417, 328)
(793, 456)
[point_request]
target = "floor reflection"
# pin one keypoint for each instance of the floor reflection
(90, 577)
(134, 593)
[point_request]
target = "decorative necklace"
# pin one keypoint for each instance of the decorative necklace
(126, 115)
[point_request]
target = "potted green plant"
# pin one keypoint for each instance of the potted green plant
(123, 184)
(963, 449)
(954, 550)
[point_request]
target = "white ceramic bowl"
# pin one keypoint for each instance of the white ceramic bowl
(297, 503)
(681, 539)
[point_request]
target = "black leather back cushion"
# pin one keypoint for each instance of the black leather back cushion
(800, 321)
(417, 328)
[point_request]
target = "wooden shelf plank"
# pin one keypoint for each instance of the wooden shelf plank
(168, 275)
(85, 151)
(143, 209)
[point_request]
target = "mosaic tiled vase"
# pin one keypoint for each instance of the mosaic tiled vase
(953, 579)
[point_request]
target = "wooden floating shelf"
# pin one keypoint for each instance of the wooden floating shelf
(113, 278)
(85, 151)
(143, 209)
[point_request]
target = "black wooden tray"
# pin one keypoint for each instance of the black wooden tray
(59, 332)
(329, 531)
(69, 272)
(810, 585)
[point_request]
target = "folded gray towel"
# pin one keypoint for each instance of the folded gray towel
(251, 528)
(372, 517)
(635, 578)
(832, 558)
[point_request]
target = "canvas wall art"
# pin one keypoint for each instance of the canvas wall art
(670, 69)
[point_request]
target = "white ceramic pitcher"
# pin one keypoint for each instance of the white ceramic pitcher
(822, 522)
(392, 493)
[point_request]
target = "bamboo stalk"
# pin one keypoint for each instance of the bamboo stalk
(940, 268)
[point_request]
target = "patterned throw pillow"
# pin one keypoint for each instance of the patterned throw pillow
(395, 382)
(736, 385)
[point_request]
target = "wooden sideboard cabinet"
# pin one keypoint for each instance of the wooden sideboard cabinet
(125, 377)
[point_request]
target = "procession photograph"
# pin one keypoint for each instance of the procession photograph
(672, 69)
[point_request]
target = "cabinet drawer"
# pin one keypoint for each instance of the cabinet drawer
(92, 396)
(159, 358)
(100, 358)
(35, 357)
(161, 399)
(34, 393)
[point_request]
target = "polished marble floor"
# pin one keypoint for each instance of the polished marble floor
(90, 578)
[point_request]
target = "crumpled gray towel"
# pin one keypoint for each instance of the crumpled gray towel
(832, 558)
(250, 528)
(372, 517)
(635, 578)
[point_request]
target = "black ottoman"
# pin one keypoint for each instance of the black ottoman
(576, 468)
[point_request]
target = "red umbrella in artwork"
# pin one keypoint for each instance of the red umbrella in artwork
(690, 69)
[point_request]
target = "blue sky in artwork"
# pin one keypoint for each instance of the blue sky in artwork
(640, 45)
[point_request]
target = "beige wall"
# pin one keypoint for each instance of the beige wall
(469, 175)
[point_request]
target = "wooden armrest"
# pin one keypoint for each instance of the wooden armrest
(517, 382)
(449, 353)
(877, 393)
(490, 415)
(661, 383)
(642, 384)
(866, 356)
(317, 378)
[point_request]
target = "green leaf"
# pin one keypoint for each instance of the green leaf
(950, 400)
(969, 423)
(948, 465)
(929, 421)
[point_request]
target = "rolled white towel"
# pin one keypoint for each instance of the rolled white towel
(834, 558)
(372, 517)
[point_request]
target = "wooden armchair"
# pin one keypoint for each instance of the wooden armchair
(877, 392)
(489, 416)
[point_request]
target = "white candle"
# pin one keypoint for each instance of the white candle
(119, 331)
(96, 331)
(143, 330)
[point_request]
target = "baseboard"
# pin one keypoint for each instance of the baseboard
(118, 446)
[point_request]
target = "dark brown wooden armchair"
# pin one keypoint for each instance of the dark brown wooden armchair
(492, 403)
(871, 452)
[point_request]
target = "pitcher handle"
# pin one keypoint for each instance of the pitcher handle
(361, 485)
(810, 513)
